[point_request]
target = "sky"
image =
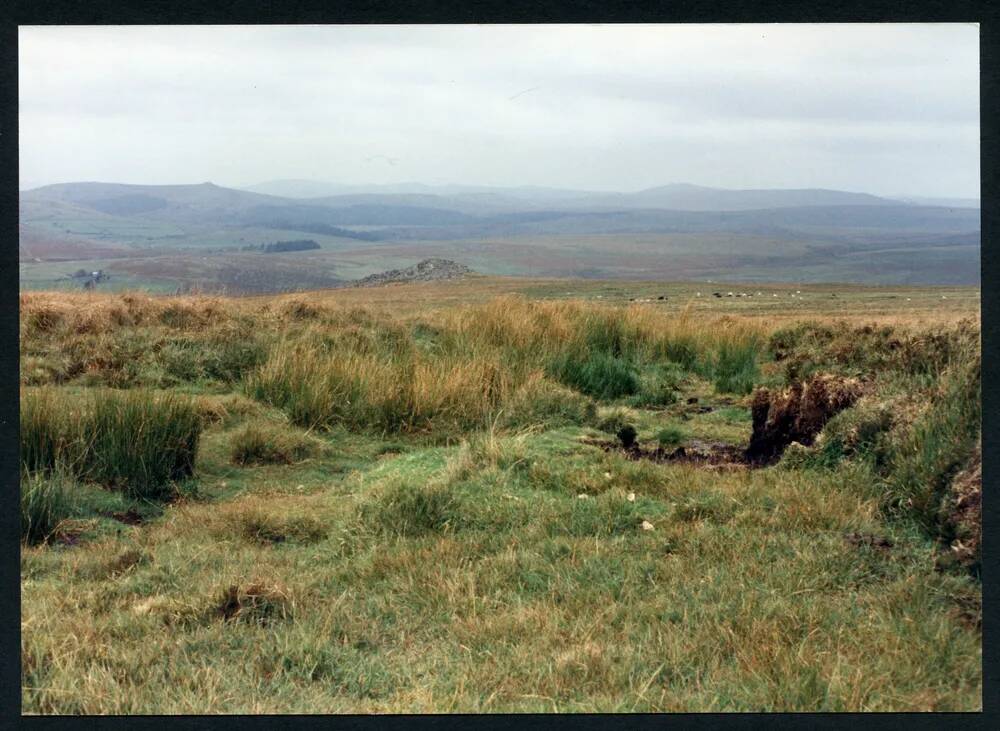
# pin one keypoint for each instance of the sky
(890, 109)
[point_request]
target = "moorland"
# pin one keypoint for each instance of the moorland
(498, 494)
(186, 238)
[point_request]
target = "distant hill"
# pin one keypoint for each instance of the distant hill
(685, 197)
(321, 189)
(124, 199)
(178, 235)
(677, 197)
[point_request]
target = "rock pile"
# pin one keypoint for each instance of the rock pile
(429, 270)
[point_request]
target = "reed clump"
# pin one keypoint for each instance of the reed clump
(136, 441)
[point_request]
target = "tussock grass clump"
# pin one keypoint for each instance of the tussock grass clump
(223, 354)
(184, 315)
(490, 449)
(131, 340)
(45, 318)
(658, 386)
(541, 402)
(270, 444)
(735, 369)
(319, 387)
(596, 374)
(51, 431)
(683, 349)
(670, 436)
(141, 443)
(258, 602)
(851, 350)
(404, 509)
(861, 432)
(46, 501)
(923, 460)
(255, 524)
(233, 352)
(212, 410)
(559, 334)
(135, 441)
(613, 421)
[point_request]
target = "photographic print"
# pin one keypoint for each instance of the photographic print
(430, 369)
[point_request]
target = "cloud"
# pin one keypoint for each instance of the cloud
(890, 109)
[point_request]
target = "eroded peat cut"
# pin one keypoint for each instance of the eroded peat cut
(780, 417)
(963, 516)
(796, 414)
(696, 452)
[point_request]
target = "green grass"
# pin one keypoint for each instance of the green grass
(447, 540)
(670, 436)
(407, 510)
(736, 369)
(270, 444)
(577, 606)
(921, 463)
(46, 501)
(596, 374)
(133, 441)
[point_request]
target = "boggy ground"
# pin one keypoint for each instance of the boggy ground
(464, 532)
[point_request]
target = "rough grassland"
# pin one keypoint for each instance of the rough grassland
(410, 500)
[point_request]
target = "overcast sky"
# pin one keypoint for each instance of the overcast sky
(886, 109)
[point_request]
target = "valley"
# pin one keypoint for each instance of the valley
(202, 237)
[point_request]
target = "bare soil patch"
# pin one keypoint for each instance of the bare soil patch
(128, 517)
(870, 540)
(694, 451)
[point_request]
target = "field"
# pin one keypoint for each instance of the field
(214, 263)
(499, 494)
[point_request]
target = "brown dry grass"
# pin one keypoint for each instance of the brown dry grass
(390, 573)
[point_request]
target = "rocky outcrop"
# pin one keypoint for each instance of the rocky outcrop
(429, 270)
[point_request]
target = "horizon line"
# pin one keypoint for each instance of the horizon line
(248, 187)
